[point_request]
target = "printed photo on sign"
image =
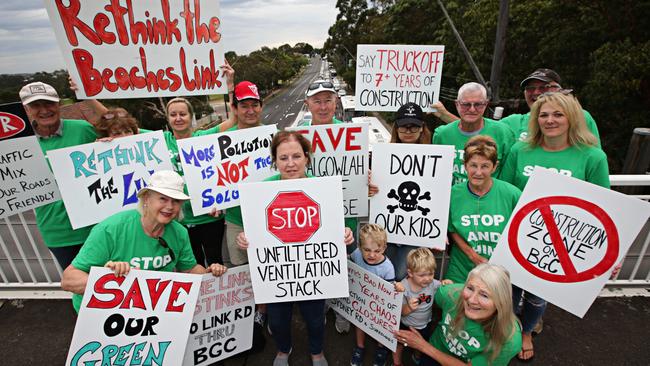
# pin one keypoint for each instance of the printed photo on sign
(295, 230)
(414, 187)
(373, 305)
(140, 49)
(565, 236)
(215, 165)
(141, 318)
(103, 178)
(389, 76)
(342, 149)
(223, 319)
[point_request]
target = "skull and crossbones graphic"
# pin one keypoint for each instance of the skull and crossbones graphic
(408, 196)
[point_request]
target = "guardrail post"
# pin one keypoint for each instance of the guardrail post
(637, 160)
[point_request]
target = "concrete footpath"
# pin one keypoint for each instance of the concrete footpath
(615, 331)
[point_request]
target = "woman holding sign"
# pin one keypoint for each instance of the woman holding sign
(558, 140)
(290, 156)
(147, 238)
(479, 209)
(477, 325)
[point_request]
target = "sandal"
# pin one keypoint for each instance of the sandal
(522, 353)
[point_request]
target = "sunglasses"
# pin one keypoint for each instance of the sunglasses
(561, 91)
(542, 88)
(164, 244)
(409, 128)
(468, 106)
(119, 114)
(324, 84)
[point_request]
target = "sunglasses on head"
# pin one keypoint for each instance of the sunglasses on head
(561, 91)
(164, 244)
(110, 116)
(324, 84)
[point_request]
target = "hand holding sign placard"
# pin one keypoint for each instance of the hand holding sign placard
(389, 76)
(565, 236)
(296, 247)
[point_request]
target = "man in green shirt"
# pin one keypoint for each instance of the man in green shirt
(471, 104)
(41, 102)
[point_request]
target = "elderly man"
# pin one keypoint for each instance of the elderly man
(539, 82)
(471, 104)
(41, 103)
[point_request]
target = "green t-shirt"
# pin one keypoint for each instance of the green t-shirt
(518, 123)
(586, 163)
(451, 134)
(471, 342)
(172, 146)
(52, 219)
(121, 238)
(478, 220)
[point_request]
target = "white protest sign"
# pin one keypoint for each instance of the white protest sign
(223, 320)
(373, 306)
(26, 179)
(389, 76)
(565, 236)
(414, 188)
(295, 230)
(141, 318)
(214, 165)
(140, 49)
(342, 149)
(103, 178)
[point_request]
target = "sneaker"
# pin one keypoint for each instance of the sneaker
(319, 362)
(260, 318)
(357, 357)
(380, 357)
(341, 324)
(281, 359)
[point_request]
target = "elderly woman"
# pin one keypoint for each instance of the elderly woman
(147, 238)
(479, 209)
(560, 140)
(477, 327)
(290, 156)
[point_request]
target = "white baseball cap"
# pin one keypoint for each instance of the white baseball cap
(38, 91)
(168, 183)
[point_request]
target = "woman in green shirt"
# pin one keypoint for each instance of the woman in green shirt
(558, 140)
(477, 326)
(479, 209)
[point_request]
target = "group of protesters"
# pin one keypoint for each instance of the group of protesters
(485, 320)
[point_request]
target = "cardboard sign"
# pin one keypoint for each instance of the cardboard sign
(565, 236)
(140, 49)
(389, 76)
(373, 305)
(141, 318)
(414, 188)
(223, 320)
(103, 178)
(295, 230)
(342, 149)
(214, 165)
(25, 179)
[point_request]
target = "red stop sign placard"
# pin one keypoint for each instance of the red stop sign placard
(293, 217)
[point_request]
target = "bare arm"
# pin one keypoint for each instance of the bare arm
(74, 280)
(230, 81)
(414, 339)
(469, 252)
(442, 113)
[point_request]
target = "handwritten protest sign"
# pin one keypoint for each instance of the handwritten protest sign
(296, 239)
(214, 165)
(373, 306)
(139, 49)
(414, 187)
(389, 76)
(103, 178)
(223, 319)
(26, 180)
(565, 236)
(142, 318)
(342, 149)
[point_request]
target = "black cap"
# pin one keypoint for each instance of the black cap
(544, 75)
(409, 114)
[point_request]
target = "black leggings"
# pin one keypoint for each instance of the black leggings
(206, 240)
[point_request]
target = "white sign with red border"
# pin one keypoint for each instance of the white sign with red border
(565, 236)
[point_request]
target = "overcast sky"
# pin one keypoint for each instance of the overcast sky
(29, 45)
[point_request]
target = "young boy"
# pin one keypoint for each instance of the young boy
(419, 289)
(370, 256)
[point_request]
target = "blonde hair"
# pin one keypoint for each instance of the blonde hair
(481, 145)
(140, 207)
(421, 259)
(579, 134)
(375, 233)
(190, 109)
(501, 326)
